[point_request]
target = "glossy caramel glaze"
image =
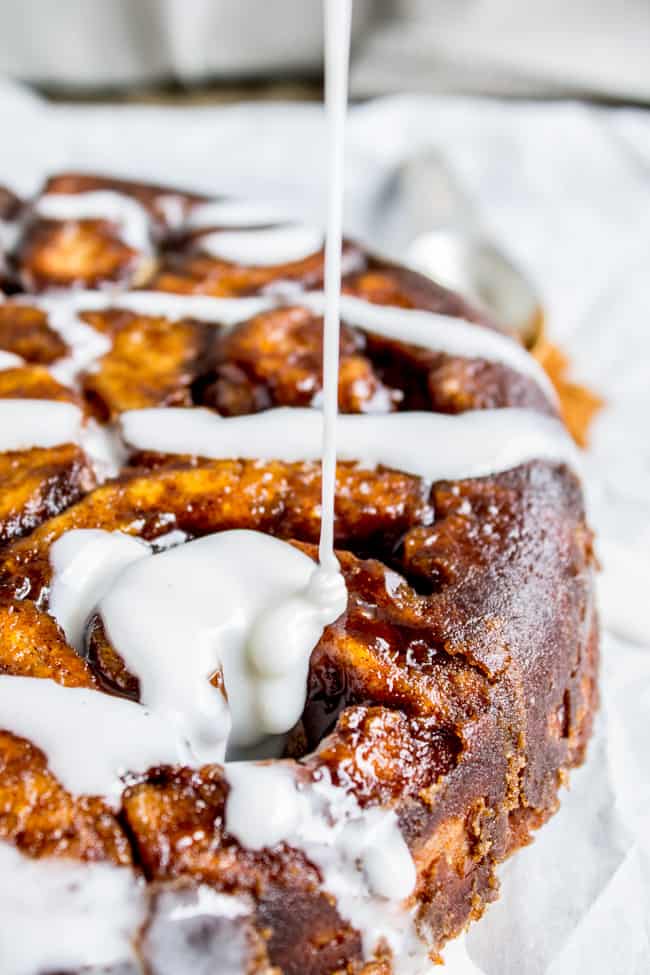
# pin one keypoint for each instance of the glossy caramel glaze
(458, 688)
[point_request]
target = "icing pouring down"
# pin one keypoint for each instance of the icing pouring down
(216, 632)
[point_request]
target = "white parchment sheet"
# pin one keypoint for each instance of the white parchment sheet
(566, 189)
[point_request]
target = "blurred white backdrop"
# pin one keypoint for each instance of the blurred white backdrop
(594, 47)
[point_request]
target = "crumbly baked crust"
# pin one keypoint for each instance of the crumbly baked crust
(459, 687)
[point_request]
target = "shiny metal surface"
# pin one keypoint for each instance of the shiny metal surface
(450, 247)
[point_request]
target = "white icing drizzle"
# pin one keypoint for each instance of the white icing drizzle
(27, 423)
(361, 853)
(337, 51)
(435, 446)
(173, 208)
(219, 311)
(59, 915)
(85, 343)
(197, 931)
(263, 248)
(85, 562)
(91, 740)
(439, 333)
(236, 213)
(118, 208)
(242, 601)
(104, 449)
(10, 361)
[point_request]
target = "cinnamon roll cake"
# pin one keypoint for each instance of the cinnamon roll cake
(169, 804)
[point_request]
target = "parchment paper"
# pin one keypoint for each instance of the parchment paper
(566, 189)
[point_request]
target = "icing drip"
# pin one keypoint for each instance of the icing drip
(124, 211)
(361, 853)
(91, 740)
(10, 361)
(435, 446)
(27, 423)
(59, 915)
(244, 603)
(85, 562)
(263, 248)
(439, 333)
(236, 213)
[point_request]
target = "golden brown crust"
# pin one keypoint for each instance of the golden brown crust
(34, 382)
(459, 686)
(39, 817)
(32, 645)
(81, 253)
(25, 332)
(37, 484)
(152, 362)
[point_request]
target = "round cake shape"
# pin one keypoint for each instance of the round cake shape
(442, 709)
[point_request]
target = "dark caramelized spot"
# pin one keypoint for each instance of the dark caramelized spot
(106, 664)
(25, 332)
(34, 382)
(38, 484)
(275, 359)
(32, 645)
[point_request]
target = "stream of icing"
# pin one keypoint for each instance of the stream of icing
(223, 626)
(338, 15)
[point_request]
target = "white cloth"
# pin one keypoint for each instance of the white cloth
(567, 190)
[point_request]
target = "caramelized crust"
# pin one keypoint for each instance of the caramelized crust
(32, 645)
(86, 253)
(39, 817)
(420, 700)
(152, 362)
(37, 484)
(457, 689)
(187, 272)
(153, 198)
(274, 359)
(74, 253)
(25, 332)
(199, 497)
